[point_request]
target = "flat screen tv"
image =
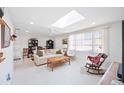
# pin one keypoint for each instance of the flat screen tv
(120, 72)
(123, 51)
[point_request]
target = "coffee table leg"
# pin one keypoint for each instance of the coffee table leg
(52, 66)
(47, 64)
(52, 69)
(69, 62)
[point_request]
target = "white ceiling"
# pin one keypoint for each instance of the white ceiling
(44, 17)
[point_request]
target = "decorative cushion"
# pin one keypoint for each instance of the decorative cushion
(43, 52)
(58, 52)
(39, 53)
(95, 60)
(40, 48)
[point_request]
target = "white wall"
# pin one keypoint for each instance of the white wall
(114, 42)
(6, 67)
(58, 41)
(22, 42)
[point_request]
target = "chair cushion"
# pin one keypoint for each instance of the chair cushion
(95, 60)
(58, 52)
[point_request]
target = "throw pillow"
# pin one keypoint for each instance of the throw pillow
(58, 52)
(39, 53)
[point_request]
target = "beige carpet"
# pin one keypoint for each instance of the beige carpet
(26, 73)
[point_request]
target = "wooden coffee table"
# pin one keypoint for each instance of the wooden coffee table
(56, 60)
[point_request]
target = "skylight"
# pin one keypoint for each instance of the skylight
(71, 18)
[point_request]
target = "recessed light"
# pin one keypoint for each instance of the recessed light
(93, 23)
(31, 23)
(27, 31)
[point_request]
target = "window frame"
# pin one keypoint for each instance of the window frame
(93, 38)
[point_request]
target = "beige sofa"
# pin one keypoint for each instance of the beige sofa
(46, 54)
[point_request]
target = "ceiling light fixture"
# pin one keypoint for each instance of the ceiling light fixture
(27, 31)
(93, 23)
(69, 19)
(31, 23)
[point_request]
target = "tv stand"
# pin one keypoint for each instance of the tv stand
(119, 73)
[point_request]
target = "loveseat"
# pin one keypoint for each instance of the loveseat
(48, 53)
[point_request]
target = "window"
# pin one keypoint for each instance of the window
(69, 19)
(71, 42)
(87, 41)
(81, 42)
(98, 41)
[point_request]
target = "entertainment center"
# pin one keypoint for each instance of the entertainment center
(120, 72)
(123, 51)
(32, 45)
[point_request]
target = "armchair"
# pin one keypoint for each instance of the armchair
(95, 63)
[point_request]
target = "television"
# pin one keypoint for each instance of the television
(120, 72)
(123, 51)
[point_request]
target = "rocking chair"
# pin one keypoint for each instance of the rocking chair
(95, 63)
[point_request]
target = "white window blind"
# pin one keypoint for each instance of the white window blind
(87, 41)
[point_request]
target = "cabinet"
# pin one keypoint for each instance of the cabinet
(49, 44)
(32, 45)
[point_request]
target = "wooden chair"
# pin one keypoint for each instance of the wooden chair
(96, 66)
(25, 52)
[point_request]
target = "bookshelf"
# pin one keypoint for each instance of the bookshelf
(32, 45)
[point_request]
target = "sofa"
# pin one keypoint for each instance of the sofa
(48, 53)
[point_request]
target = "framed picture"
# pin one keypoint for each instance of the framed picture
(65, 41)
(5, 34)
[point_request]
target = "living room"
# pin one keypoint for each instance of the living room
(77, 32)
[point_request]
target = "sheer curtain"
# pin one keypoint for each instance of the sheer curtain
(93, 41)
(72, 44)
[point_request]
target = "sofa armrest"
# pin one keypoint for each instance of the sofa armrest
(36, 58)
(39, 60)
